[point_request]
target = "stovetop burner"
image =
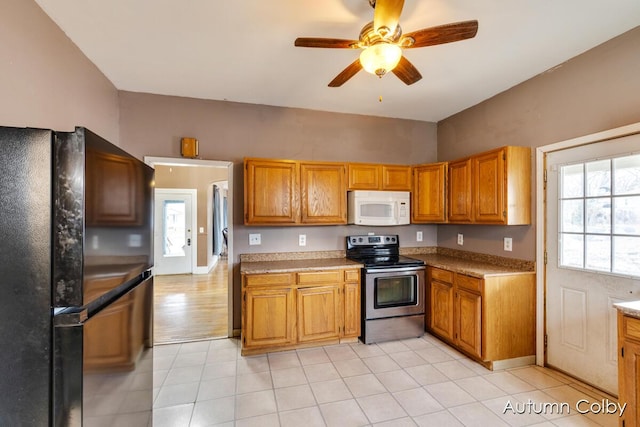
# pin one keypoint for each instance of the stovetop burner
(378, 251)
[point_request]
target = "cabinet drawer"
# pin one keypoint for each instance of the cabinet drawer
(351, 275)
(631, 327)
(442, 275)
(268, 279)
(311, 277)
(469, 283)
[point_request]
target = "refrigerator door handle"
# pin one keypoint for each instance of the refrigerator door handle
(70, 318)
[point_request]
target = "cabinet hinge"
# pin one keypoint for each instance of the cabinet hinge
(545, 257)
(504, 214)
(544, 179)
(621, 351)
(504, 156)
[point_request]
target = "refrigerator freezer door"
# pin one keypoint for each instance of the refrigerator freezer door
(103, 366)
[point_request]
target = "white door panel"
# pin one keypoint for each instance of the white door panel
(580, 288)
(173, 237)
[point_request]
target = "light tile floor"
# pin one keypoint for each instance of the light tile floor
(411, 382)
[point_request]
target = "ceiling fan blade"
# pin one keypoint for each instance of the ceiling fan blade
(387, 14)
(328, 43)
(406, 72)
(441, 34)
(346, 74)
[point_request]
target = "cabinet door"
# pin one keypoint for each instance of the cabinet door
(629, 368)
(269, 316)
(489, 187)
(428, 204)
(318, 313)
(351, 298)
(468, 322)
(441, 309)
(271, 193)
(459, 191)
(363, 176)
(323, 193)
(396, 178)
(114, 189)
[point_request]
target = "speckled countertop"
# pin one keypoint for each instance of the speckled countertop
(471, 264)
(631, 308)
(469, 267)
(286, 266)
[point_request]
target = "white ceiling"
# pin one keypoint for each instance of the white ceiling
(243, 50)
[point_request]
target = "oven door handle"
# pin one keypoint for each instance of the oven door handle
(395, 269)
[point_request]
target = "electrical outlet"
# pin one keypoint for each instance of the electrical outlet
(255, 239)
(418, 236)
(302, 240)
(508, 244)
(460, 239)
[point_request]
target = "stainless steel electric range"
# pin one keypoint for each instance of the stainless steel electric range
(393, 288)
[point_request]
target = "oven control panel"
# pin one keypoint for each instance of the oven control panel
(373, 240)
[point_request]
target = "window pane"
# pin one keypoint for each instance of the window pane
(174, 228)
(598, 253)
(626, 255)
(598, 178)
(627, 175)
(599, 215)
(572, 181)
(626, 215)
(572, 216)
(571, 250)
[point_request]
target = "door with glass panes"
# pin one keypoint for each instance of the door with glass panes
(593, 254)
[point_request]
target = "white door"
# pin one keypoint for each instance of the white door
(593, 255)
(173, 231)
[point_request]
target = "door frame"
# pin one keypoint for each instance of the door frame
(194, 220)
(174, 161)
(541, 219)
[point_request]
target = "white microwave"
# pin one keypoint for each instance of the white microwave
(378, 207)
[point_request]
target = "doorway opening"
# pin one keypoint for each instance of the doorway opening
(196, 304)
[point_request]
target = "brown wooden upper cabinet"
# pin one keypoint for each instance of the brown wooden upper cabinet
(368, 176)
(493, 187)
(323, 193)
(502, 186)
(114, 191)
(459, 202)
(287, 192)
(429, 192)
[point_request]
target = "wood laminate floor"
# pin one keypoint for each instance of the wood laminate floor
(191, 307)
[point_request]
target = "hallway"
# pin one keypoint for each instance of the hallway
(189, 307)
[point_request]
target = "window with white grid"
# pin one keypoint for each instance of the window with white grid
(599, 204)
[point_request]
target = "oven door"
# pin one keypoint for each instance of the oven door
(393, 292)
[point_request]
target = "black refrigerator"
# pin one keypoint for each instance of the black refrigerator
(76, 252)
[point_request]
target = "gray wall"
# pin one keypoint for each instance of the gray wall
(153, 125)
(46, 81)
(592, 92)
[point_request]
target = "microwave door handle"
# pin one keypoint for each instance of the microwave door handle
(396, 216)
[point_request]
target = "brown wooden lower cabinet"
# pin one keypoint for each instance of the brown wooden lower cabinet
(491, 320)
(298, 309)
(629, 369)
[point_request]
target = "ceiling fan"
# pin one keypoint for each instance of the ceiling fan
(382, 42)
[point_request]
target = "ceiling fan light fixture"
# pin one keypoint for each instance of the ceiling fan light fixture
(380, 58)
